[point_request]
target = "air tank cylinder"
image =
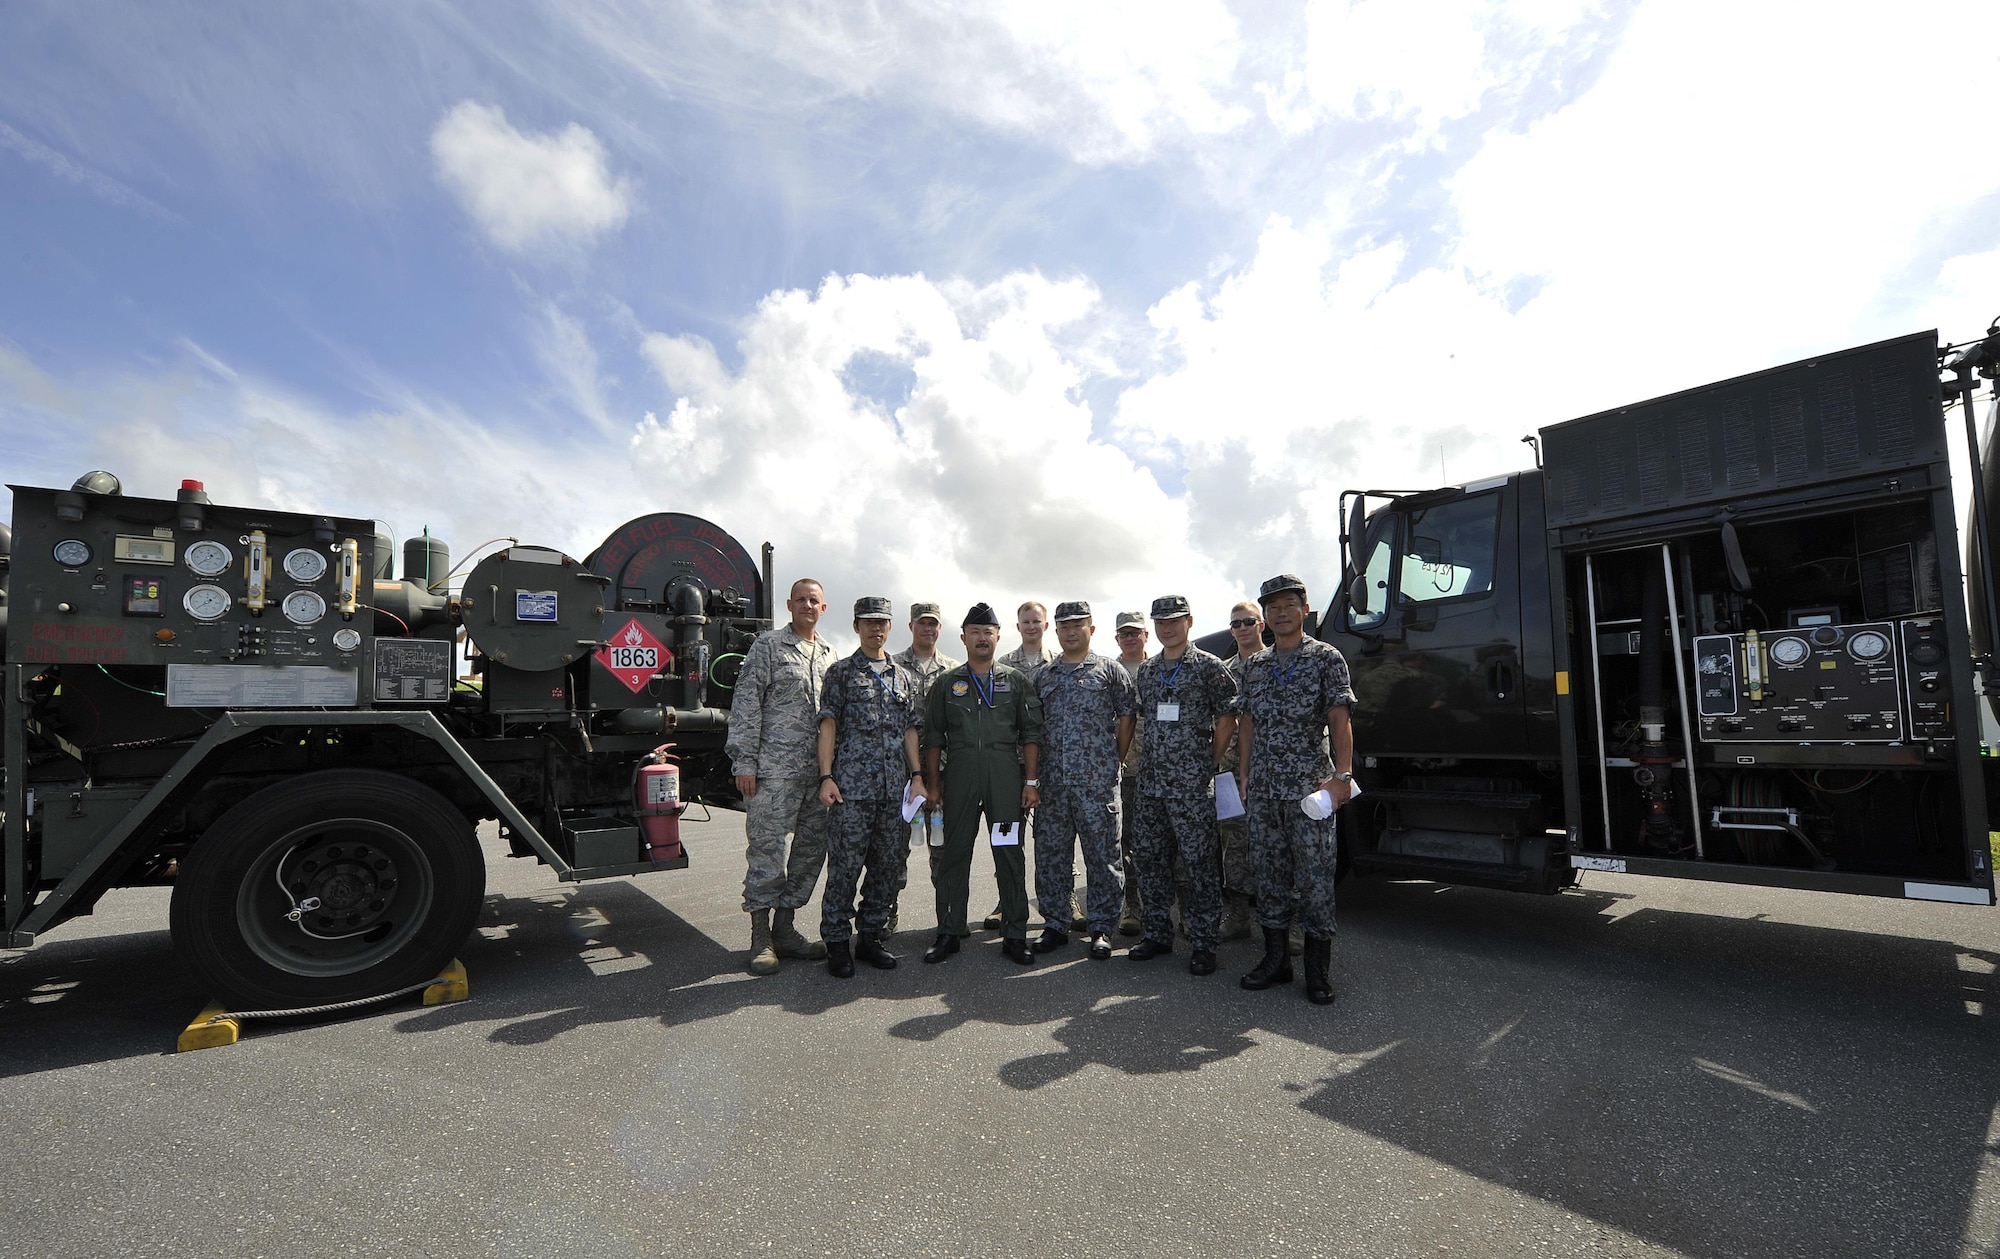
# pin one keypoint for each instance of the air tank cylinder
(426, 561)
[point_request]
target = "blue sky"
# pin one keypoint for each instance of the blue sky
(957, 300)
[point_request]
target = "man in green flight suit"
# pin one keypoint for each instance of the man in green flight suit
(976, 717)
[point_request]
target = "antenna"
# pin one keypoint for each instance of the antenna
(1442, 478)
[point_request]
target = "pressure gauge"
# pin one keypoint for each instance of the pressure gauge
(347, 639)
(205, 602)
(303, 607)
(305, 564)
(208, 559)
(1790, 651)
(1868, 645)
(72, 552)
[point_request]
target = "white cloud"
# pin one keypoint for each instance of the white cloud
(528, 190)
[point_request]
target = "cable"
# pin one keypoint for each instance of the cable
(385, 612)
(468, 559)
(728, 655)
(129, 685)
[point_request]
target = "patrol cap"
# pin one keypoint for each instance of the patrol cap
(1278, 585)
(873, 608)
(981, 614)
(1075, 610)
(1167, 607)
(918, 611)
(1129, 620)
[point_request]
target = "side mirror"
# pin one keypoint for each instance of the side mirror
(1357, 593)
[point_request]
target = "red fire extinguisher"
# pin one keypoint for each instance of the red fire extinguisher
(656, 796)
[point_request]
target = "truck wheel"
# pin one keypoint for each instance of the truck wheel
(328, 887)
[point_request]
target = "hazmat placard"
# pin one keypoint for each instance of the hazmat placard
(634, 656)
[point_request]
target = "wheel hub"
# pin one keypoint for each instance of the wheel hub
(339, 888)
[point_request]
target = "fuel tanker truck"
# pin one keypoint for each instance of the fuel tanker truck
(249, 705)
(1717, 635)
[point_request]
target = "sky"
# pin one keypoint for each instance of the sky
(956, 301)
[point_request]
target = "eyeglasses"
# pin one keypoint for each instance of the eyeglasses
(1130, 629)
(1243, 622)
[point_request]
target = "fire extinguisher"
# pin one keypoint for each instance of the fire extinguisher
(656, 795)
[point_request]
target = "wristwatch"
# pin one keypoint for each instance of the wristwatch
(1343, 775)
(1031, 782)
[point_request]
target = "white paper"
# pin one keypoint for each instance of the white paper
(1168, 712)
(1228, 800)
(1006, 835)
(1319, 805)
(913, 800)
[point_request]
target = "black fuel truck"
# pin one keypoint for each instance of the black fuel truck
(1717, 635)
(248, 705)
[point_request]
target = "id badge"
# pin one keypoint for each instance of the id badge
(1168, 712)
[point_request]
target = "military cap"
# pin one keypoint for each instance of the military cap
(873, 608)
(981, 614)
(1129, 620)
(1075, 610)
(918, 611)
(1167, 607)
(1281, 584)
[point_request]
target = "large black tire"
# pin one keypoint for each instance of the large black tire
(329, 887)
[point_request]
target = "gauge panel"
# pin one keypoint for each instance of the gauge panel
(72, 552)
(207, 558)
(305, 564)
(1790, 651)
(303, 607)
(206, 602)
(1868, 645)
(1827, 684)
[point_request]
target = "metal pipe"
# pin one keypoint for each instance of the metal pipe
(1980, 525)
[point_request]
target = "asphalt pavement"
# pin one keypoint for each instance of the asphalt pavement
(1637, 1066)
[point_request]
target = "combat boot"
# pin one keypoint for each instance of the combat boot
(1276, 968)
(763, 958)
(1319, 965)
(1237, 918)
(839, 960)
(1129, 922)
(868, 948)
(785, 938)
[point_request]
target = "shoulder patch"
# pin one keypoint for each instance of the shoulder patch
(960, 687)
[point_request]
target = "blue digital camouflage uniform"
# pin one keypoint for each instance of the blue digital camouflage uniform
(1179, 702)
(1239, 875)
(871, 710)
(1081, 705)
(774, 737)
(1287, 696)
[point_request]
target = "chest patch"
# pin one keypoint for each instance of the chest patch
(960, 687)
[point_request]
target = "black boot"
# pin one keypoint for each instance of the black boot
(868, 948)
(943, 947)
(1276, 968)
(839, 960)
(1319, 965)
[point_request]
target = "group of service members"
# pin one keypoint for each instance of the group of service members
(843, 763)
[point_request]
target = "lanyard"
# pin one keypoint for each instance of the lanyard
(986, 691)
(886, 677)
(1286, 677)
(1168, 680)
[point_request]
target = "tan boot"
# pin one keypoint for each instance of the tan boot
(785, 938)
(1295, 940)
(763, 958)
(1237, 920)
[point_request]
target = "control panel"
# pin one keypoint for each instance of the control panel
(1818, 684)
(1927, 669)
(243, 608)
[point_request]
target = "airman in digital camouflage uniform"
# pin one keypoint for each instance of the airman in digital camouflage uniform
(773, 747)
(1031, 657)
(1295, 694)
(1239, 880)
(1088, 706)
(982, 731)
(869, 716)
(925, 662)
(1185, 696)
(1129, 631)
